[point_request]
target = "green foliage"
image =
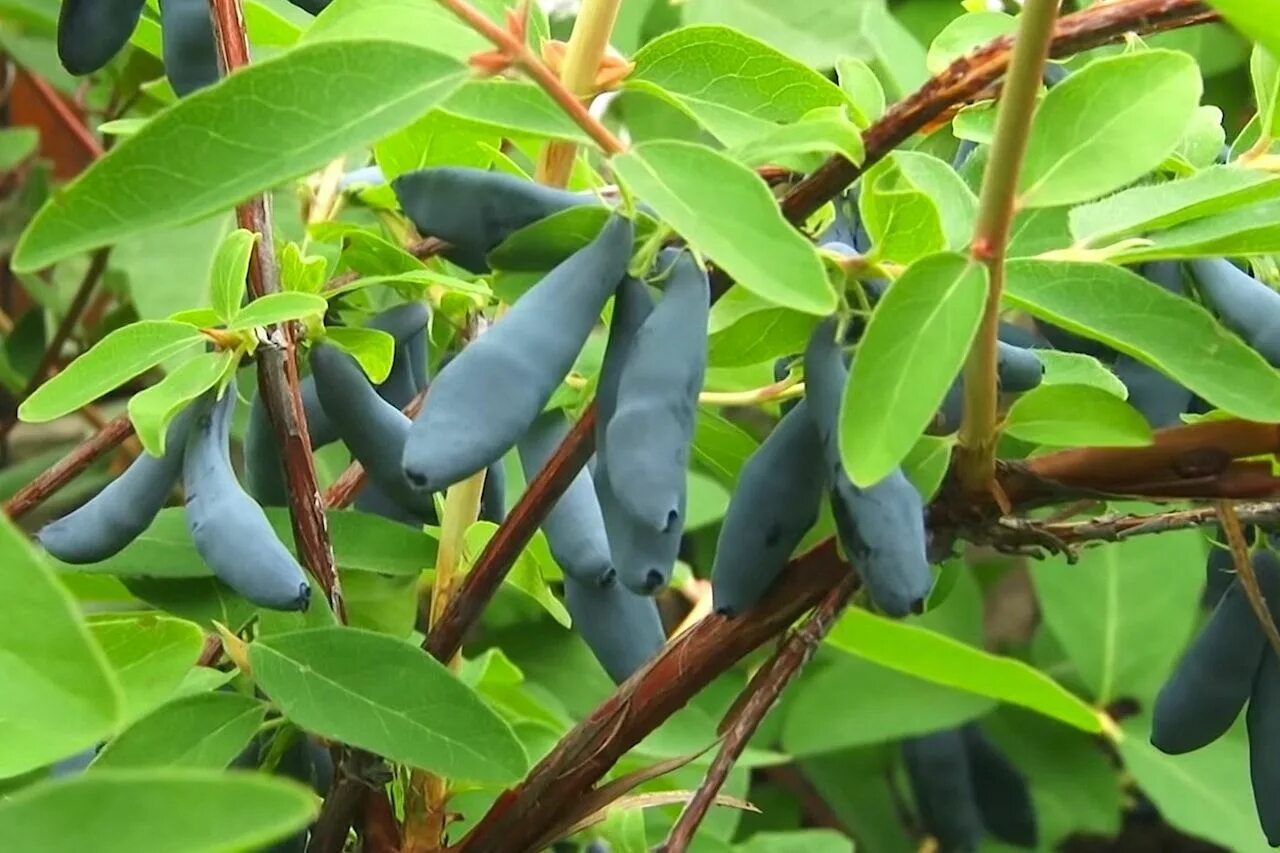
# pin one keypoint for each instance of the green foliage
(730, 105)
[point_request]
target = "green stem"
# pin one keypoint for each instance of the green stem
(996, 206)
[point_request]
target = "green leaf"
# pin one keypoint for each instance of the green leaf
(1074, 368)
(428, 25)
(372, 348)
(965, 33)
(278, 308)
(1173, 334)
(437, 139)
(381, 694)
(300, 272)
(708, 501)
(859, 82)
(1251, 230)
(541, 245)
(1255, 18)
(926, 464)
(1265, 72)
(155, 811)
(819, 34)
(16, 145)
(734, 85)
(153, 408)
(207, 730)
(796, 841)
(527, 575)
(918, 205)
(1107, 125)
(1076, 416)
(150, 654)
(60, 695)
(261, 126)
(512, 106)
(1123, 613)
(825, 131)
(938, 658)
(745, 329)
(120, 356)
(230, 267)
(913, 348)
(1153, 208)
(720, 446)
(361, 542)
(689, 184)
(1203, 793)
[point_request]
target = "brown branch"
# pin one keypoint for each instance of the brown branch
(965, 78)
(514, 49)
(73, 123)
(68, 468)
(480, 584)
(1115, 529)
(755, 702)
(53, 350)
(643, 702)
(277, 357)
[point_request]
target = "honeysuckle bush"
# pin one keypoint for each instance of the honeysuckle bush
(1152, 149)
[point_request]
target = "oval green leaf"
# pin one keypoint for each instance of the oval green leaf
(1108, 125)
(691, 186)
(1076, 416)
(153, 408)
(1172, 334)
(382, 694)
(261, 126)
(277, 308)
(942, 660)
(913, 348)
(113, 361)
(60, 695)
(194, 811)
(230, 266)
(206, 730)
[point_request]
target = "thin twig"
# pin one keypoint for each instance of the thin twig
(976, 454)
(1244, 571)
(757, 699)
(73, 124)
(277, 357)
(515, 50)
(68, 468)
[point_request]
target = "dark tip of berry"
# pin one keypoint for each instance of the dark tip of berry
(653, 581)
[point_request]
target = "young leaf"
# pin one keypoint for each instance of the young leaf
(114, 360)
(153, 408)
(1143, 209)
(903, 221)
(277, 308)
(1123, 612)
(859, 82)
(205, 730)
(1076, 416)
(926, 464)
(150, 655)
(965, 33)
(913, 348)
(938, 658)
(734, 85)
(1251, 230)
(304, 273)
(253, 130)
(1107, 125)
(230, 266)
(526, 575)
(1075, 368)
(824, 131)
(387, 696)
(1173, 334)
(374, 350)
(690, 185)
(195, 810)
(60, 695)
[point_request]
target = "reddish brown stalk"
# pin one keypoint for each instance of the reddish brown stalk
(72, 122)
(742, 720)
(68, 468)
(277, 357)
